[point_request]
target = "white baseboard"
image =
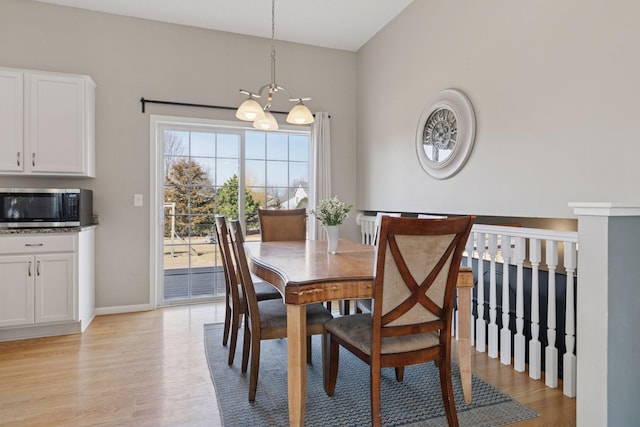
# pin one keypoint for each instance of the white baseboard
(123, 309)
(39, 331)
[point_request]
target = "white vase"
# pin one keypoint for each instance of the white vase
(332, 238)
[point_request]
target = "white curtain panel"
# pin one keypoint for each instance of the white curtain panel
(320, 166)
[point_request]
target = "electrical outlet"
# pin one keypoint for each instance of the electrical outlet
(138, 200)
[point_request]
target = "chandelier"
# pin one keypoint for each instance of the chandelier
(262, 118)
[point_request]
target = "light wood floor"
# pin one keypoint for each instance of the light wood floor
(149, 369)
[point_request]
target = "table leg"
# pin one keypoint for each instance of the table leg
(297, 362)
(465, 285)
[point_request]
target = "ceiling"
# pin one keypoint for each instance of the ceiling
(338, 24)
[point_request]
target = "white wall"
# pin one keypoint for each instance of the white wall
(555, 89)
(132, 58)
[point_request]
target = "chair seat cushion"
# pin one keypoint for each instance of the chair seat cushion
(265, 291)
(273, 314)
(356, 330)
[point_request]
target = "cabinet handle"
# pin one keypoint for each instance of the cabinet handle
(18, 158)
(29, 268)
(37, 268)
(33, 244)
(33, 159)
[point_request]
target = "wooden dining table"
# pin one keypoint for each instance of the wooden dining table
(305, 273)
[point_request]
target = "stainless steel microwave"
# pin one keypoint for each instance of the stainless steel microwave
(45, 207)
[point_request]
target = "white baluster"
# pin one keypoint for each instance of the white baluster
(493, 326)
(369, 231)
(469, 249)
(519, 339)
(454, 315)
(535, 348)
(551, 352)
(481, 326)
(505, 332)
(569, 358)
(363, 233)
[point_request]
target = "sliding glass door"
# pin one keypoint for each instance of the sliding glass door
(209, 169)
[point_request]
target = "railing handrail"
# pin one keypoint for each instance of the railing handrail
(534, 233)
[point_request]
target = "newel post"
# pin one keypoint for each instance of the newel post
(608, 314)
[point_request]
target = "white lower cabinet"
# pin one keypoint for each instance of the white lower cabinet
(36, 289)
(53, 297)
(43, 288)
(16, 290)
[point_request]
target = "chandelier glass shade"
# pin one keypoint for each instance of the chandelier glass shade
(261, 116)
(267, 122)
(250, 110)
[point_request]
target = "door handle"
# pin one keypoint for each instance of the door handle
(29, 269)
(37, 268)
(33, 159)
(33, 244)
(18, 160)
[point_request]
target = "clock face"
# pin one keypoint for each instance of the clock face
(445, 134)
(440, 135)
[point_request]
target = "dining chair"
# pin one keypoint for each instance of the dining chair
(364, 305)
(415, 273)
(266, 319)
(234, 302)
(282, 224)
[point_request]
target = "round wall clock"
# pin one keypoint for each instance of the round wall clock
(445, 134)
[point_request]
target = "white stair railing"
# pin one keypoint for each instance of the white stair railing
(508, 246)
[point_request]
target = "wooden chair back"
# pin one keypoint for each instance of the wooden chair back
(417, 264)
(234, 303)
(246, 281)
(230, 275)
(283, 225)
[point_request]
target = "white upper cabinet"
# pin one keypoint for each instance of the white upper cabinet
(11, 121)
(57, 123)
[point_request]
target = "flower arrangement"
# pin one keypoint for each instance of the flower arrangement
(331, 211)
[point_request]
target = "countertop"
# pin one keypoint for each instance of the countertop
(36, 230)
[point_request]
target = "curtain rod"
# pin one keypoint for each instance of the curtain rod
(187, 104)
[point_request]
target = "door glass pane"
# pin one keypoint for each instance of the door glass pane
(277, 174)
(255, 145)
(277, 146)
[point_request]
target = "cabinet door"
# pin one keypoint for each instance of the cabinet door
(11, 121)
(16, 290)
(54, 287)
(56, 124)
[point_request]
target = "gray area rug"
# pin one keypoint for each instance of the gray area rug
(417, 401)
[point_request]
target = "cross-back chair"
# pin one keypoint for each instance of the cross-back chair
(417, 264)
(234, 301)
(364, 305)
(266, 319)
